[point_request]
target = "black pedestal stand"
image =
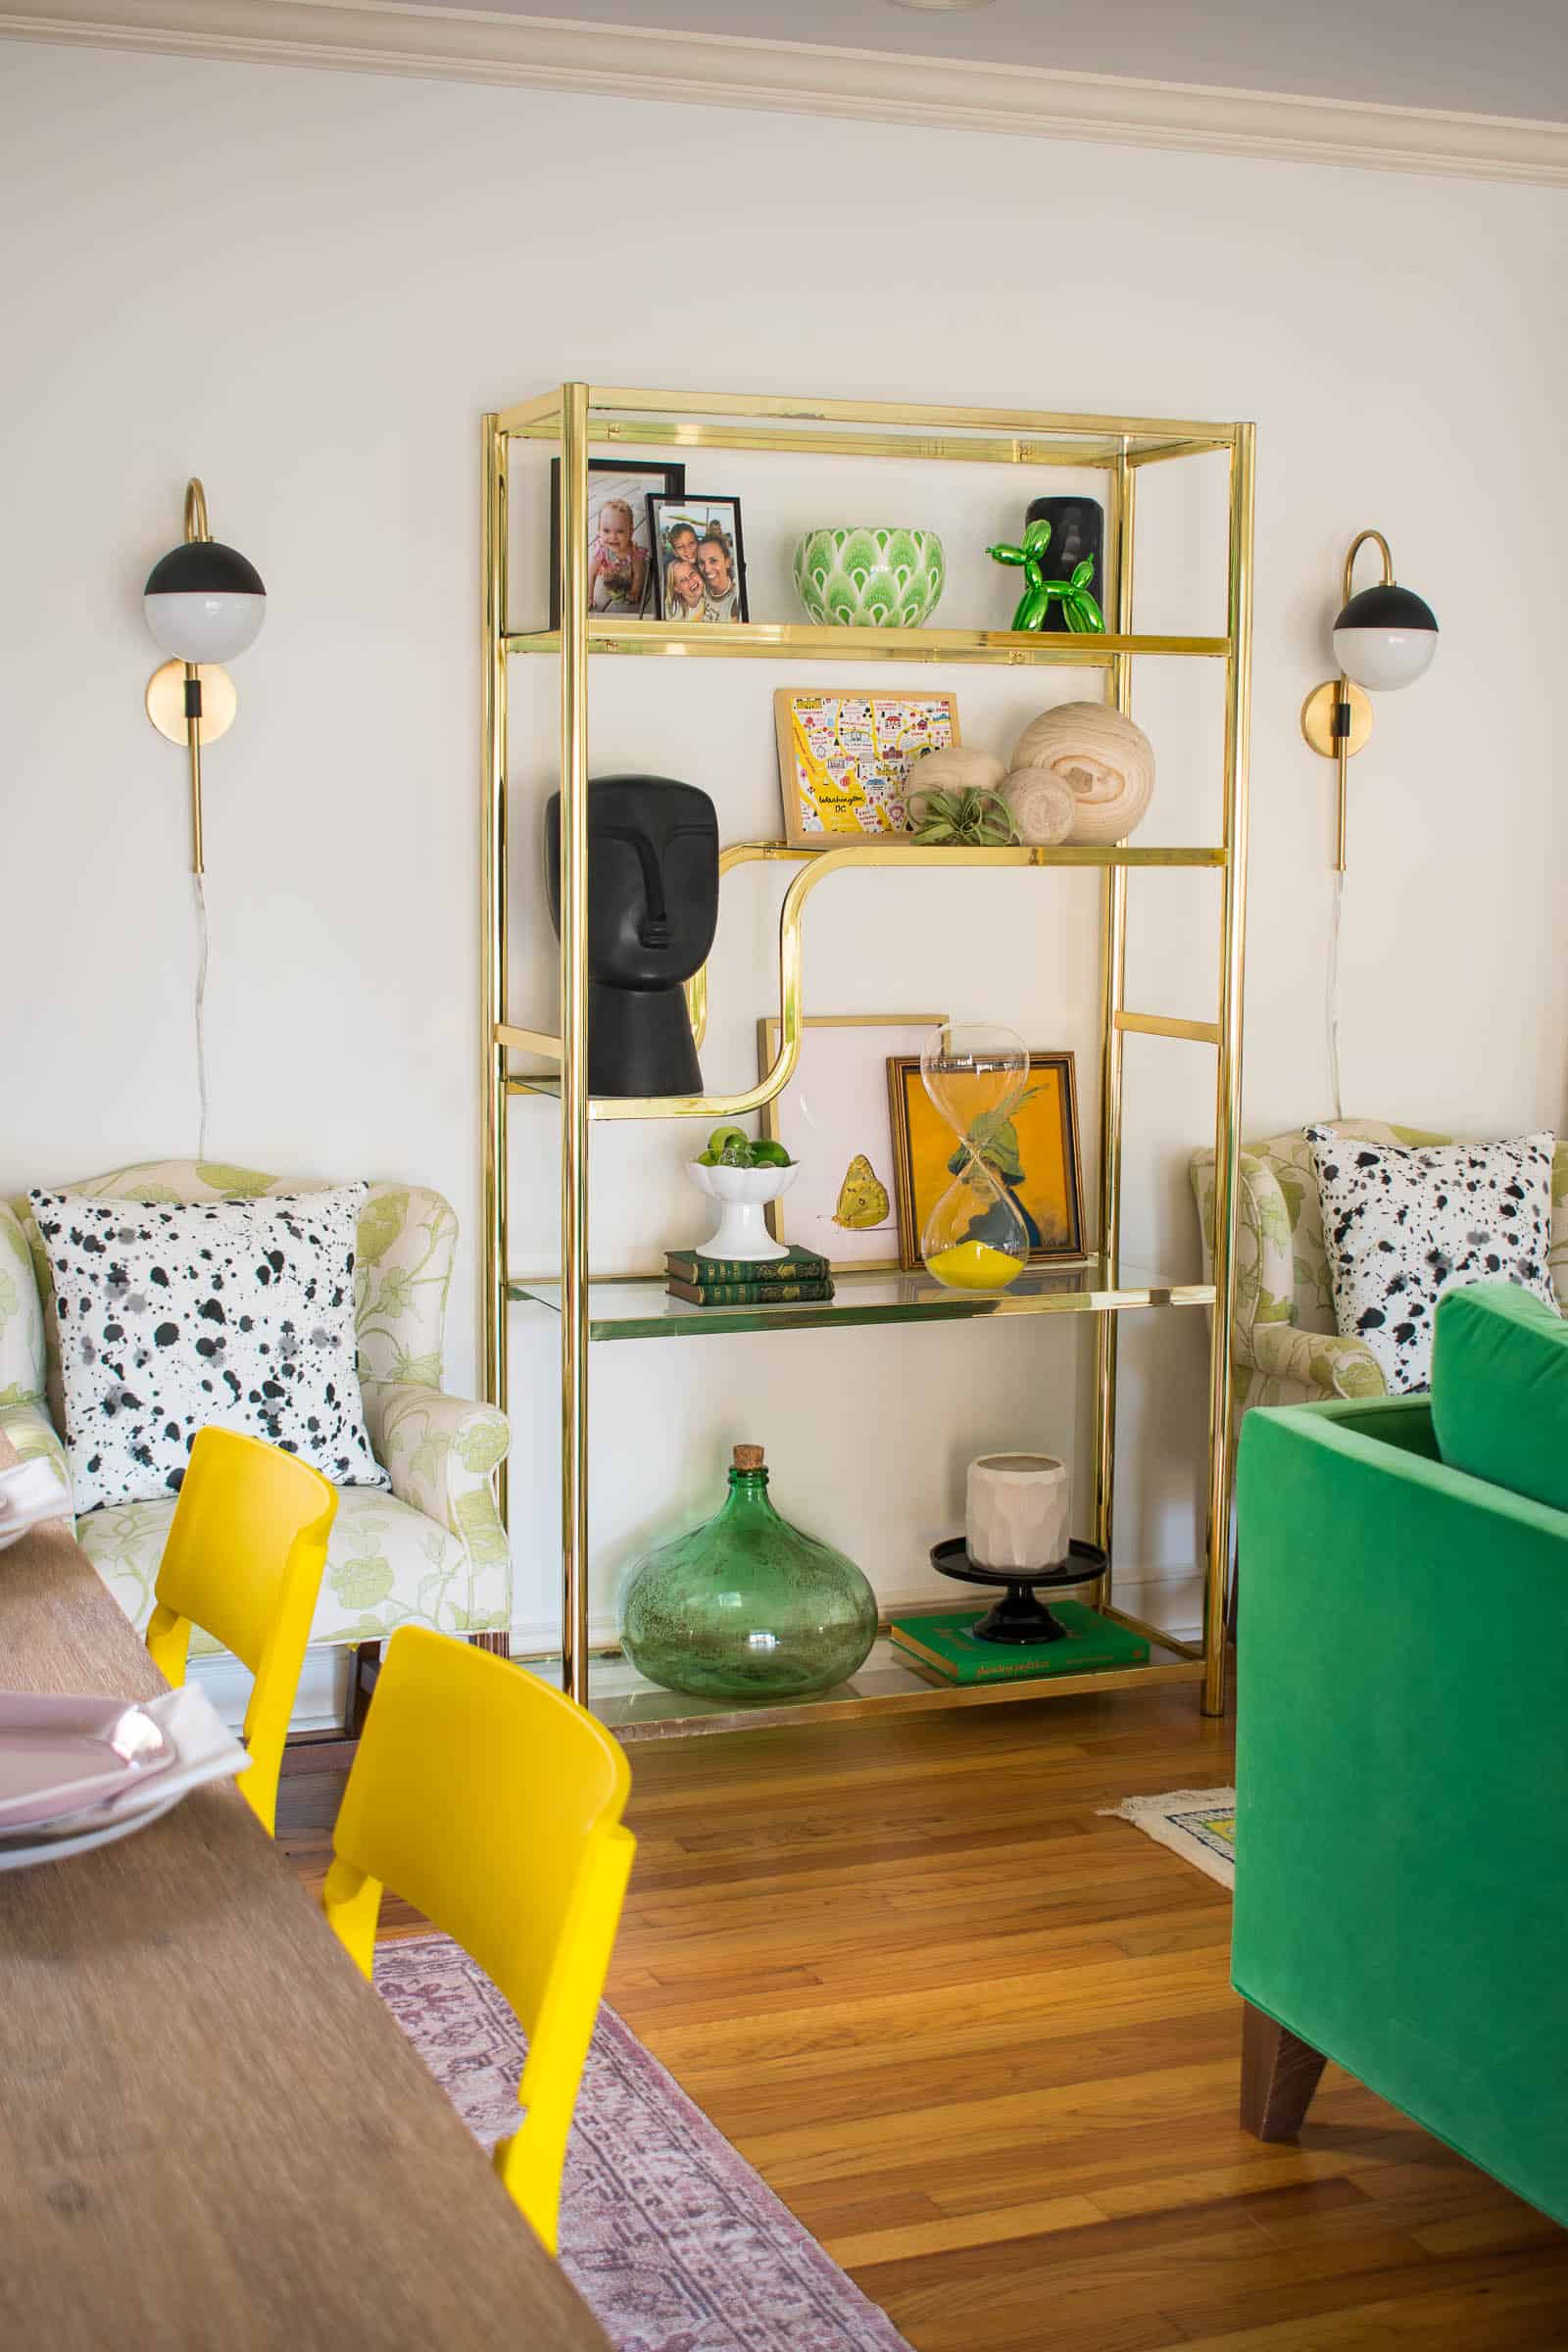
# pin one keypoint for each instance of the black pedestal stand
(1018, 1616)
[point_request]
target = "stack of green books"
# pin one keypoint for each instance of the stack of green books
(796, 1278)
(945, 1644)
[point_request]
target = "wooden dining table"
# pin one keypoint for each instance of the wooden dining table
(213, 2135)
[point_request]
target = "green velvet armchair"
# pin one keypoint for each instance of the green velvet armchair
(1403, 1776)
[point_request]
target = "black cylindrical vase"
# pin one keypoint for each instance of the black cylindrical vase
(1077, 529)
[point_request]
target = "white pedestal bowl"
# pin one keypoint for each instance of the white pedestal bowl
(743, 1193)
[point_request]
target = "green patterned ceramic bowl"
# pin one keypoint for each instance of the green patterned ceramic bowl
(866, 576)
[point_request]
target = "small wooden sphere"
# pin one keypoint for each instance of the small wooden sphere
(955, 769)
(1043, 807)
(1105, 760)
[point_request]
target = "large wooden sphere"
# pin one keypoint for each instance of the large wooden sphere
(1106, 761)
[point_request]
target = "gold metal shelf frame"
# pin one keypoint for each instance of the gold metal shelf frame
(775, 641)
(569, 417)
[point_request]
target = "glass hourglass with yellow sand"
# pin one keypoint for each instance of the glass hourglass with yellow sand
(975, 1238)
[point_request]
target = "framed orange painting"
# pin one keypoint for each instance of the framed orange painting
(1033, 1156)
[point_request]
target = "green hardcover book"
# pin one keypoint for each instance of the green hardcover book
(945, 1646)
(690, 1266)
(748, 1293)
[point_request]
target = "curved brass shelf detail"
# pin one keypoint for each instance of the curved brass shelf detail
(817, 865)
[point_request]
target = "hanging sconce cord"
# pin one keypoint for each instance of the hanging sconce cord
(1384, 638)
(199, 886)
(1332, 1005)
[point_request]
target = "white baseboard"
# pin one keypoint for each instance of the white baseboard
(318, 1706)
(1172, 1598)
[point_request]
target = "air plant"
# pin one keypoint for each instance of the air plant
(972, 818)
(1078, 608)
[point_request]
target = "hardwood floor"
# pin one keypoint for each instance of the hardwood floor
(983, 2043)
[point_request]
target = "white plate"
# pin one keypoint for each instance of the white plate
(204, 1751)
(58, 1850)
(61, 1754)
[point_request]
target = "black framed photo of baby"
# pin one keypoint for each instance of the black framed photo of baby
(700, 556)
(620, 547)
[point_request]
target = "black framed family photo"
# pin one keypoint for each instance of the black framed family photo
(698, 557)
(621, 571)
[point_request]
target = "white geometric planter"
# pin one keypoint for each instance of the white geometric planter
(1018, 1511)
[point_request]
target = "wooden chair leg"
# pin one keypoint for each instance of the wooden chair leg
(364, 1668)
(1279, 2075)
(334, 1751)
(499, 1644)
(1232, 1594)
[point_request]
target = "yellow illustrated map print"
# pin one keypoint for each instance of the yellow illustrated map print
(863, 1201)
(851, 755)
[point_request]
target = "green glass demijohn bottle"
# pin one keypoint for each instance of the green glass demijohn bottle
(746, 1607)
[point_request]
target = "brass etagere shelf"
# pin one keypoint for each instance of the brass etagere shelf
(571, 415)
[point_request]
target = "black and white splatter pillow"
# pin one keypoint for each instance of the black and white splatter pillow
(239, 1312)
(1402, 1222)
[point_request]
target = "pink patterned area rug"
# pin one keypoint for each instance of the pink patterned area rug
(669, 2234)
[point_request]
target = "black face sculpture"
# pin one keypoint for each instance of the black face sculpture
(652, 908)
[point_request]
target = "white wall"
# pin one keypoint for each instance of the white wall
(306, 287)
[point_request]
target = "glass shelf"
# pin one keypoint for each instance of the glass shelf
(634, 1708)
(639, 1307)
(641, 418)
(767, 641)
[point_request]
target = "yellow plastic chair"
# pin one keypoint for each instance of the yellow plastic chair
(493, 1804)
(243, 1561)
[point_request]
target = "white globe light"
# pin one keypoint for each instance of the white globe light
(1385, 638)
(204, 601)
(205, 628)
(1380, 659)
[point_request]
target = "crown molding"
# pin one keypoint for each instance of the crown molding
(488, 45)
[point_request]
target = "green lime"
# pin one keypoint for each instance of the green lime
(726, 1135)
(769, 1155)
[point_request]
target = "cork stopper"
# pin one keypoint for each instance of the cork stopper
(748, 1457)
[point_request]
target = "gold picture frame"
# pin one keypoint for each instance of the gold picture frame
(923, 1142)
(818, 1092)
(833, 800)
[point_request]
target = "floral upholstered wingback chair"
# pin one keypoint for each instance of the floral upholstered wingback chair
(1285, 1348)
(431, 1552)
